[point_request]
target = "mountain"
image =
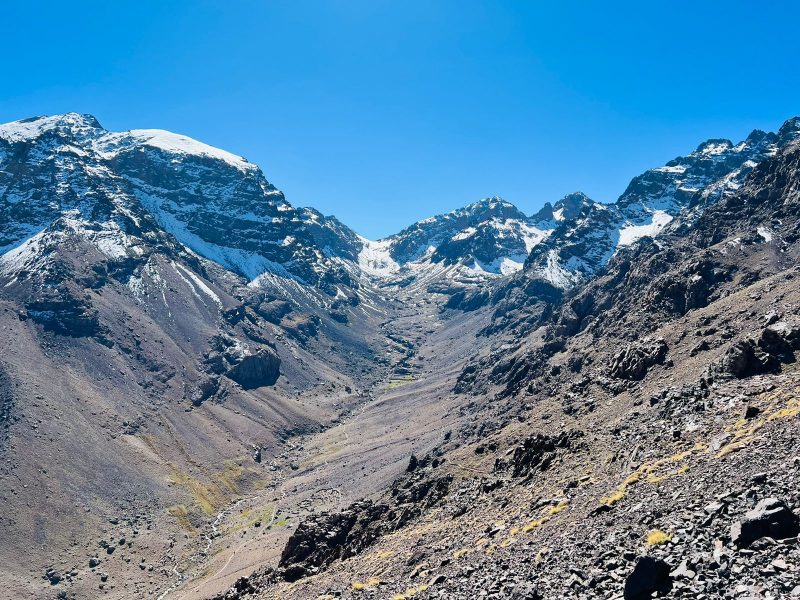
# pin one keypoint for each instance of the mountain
(584, 243)
(634, 446)
(487, 238)
(206, 392)
(167, 318)
(470, 245)
(221, 207)
(108, 187)
(717, 168)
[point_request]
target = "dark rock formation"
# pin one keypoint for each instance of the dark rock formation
(633, 361)
(649, 576)
(536, 453)
(256, 370)
(770, 518)
(326, 537)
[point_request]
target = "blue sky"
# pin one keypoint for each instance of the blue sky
(383, 113)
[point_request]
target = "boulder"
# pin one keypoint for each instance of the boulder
(780, 340)
(744, 359)
(256, 370)
(650, 575)
(526, 591)
(633, 361)
(770, 518)
(536, 453)
(207, 387)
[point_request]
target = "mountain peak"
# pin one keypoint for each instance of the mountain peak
(756, 136)
(172, 143)
(571, 206)
(789, 131)
(72, 124)
(490, 202)
(714, 146)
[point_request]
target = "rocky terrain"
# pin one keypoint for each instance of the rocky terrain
(206, 392)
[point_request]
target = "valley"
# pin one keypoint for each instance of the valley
(208, 393)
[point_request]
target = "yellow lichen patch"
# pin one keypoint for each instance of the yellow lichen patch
(250, 517)
(410, 592)
(657, 537)
(792, 409)
(531, 525)
(182, 515)
(459, 553)
(744, 431)
(682, 469)
(396, 382)
(681, 456)
(365, 585)
(231, 474)
(649, 472)
(734, 446)
(382, 554)
(507, 542)
(482, 542)
(614, 497)
(212, 496)
(514, 530)
(656, 478)
(554, 510)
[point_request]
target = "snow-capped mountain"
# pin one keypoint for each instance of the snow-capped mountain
(116, 188)
(585, 242)
(130, 191)
(485, 239)
(123, 191)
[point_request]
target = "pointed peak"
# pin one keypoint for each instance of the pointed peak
(490, 202)
(571, 206)
(756, 136)
(80, 120)
(577, 196)
(714, 146)
(789, 131)
(486, 208)
(545, 213)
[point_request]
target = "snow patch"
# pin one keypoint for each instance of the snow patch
(375, 259)
(199, 283)
(112, 143)
(21, 256)
(631, 233)
(464, 234)
(555, 273)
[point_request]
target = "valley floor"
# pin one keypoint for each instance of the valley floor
(407, 413)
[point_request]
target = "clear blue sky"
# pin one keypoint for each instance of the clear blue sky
(383, 113)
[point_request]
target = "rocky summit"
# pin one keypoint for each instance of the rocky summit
(209, 393)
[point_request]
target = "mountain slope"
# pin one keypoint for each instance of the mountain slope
(633, 445)
(215, 203)
(474, 244)
(651, 201)
(144, 387)
(199, 381)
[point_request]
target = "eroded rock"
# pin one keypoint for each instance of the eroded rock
(770, 518)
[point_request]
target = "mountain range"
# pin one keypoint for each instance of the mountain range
(208, 392)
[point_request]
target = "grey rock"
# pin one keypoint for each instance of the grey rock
(771, 517)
